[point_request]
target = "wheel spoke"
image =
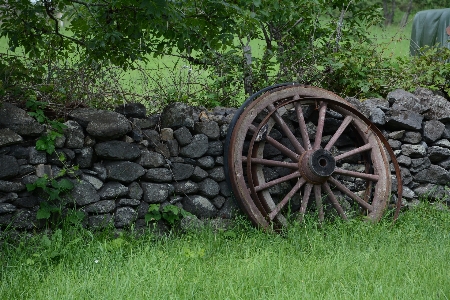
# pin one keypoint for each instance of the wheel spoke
(276, 116)
(283, 149)
(320, 124)
(366, 147)
(271, 163)
(339, 132)
(271, 183)
(349, 193)
(333, 199)
(302, 125)
(318, 195)
(286, 198)
(371, 177)
(307, 193)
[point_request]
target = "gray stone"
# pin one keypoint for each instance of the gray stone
(27, 200)
(218, 201)
(197, 148)
(142, 209)
(17, 120)
(96, 183)
(224, 189)
(60, 141)
(445, 164)
(117, 150)
(443, 143)
(199, 206)
(182, 171)
(185, 187)
(208, 188)
(438, 106)
(9, 166)
(414, 151)
(24, 219)
(124, 171)
(101, 124)
(403, 100)
(128, 202)
(217, 174)
(112, 190)
(433, 174)
(394, 144)
(412, 137)
(132, 110)
(83, 193)
(419, 164)
(219, 161)
(199, 174)
(152, 136)
(74, 135)
(7, 208)
(403, 119)
(85, 157)
(229, 209)
(209, 128)
(224, 130)
(404, 160)
(143, 123)
(155, 192)
(9, 137)
(377, 117)
(206, 162)
(150, 159)
(8, 186)
(162, 149)
(9, 197)
(406, 175)
(42, 170)
(177, 115)
(174, 148)
(432, 192)
(183, 136)
(215, 148)
(396, 135)
(19, 151)
(37, 157)
(433, 130)
(100, 221)
(166, 134)
(159, 175)
(135, 191)
(437, 154)
(101, 207)
(100, 171)
(408, 193)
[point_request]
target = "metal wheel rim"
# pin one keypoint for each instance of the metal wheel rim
(259, 205)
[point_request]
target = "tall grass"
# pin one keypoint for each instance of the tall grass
(338, 260)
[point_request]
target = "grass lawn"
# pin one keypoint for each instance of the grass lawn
(340, 260)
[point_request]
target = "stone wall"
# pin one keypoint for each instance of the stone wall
(128, 160)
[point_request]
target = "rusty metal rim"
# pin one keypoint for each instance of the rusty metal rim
(254, 209)
(378, 202)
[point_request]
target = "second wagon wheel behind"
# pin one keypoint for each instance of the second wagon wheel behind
(297, 148)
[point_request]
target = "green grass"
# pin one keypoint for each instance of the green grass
(340, 260)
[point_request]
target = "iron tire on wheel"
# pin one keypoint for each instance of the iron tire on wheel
(310, 168)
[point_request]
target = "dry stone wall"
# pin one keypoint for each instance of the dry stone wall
(128, 160)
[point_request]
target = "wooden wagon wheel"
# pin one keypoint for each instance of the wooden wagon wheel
(282, 157)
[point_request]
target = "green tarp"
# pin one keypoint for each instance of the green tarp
(429, 28)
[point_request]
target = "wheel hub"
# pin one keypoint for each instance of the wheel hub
(317, 165)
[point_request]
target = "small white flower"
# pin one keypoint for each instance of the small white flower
(96, 261)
